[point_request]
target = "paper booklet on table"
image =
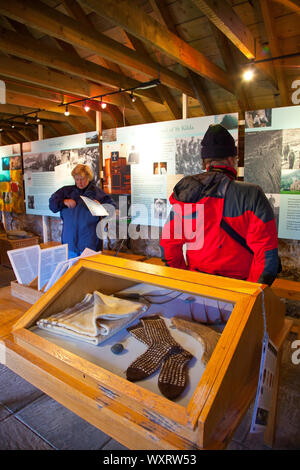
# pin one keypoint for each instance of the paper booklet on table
(94, 207)
(48, 260)
(25, 262)
(64, 265)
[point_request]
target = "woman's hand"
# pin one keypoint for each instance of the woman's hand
(70, 203)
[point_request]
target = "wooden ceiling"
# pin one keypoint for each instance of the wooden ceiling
(55, 51)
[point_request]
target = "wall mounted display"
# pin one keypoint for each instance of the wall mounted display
(11, 179)
(147, 161)
(272, 160)
(48, 165)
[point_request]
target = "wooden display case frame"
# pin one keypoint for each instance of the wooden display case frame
(134, 416)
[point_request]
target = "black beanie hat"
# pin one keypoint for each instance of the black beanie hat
(218, 143)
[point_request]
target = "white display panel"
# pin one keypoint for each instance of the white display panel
(272, 160)
(155, 157)
(48, 164)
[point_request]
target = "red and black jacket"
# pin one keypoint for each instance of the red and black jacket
(200, 202)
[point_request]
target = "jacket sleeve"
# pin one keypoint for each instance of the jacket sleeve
(56, 201)
(171, 246)
(263, 241)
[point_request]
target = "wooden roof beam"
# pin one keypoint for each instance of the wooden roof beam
(231, 67)
(167, 99)
(162, 10)
(223, 16)
(75, 9)
(293, 5)
(50, 21)
(267, 14)
(28, 48)
(146, 28)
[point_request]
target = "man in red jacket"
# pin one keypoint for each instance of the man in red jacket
(228, 226)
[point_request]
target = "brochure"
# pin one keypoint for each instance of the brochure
(94, 207)
(25, 262)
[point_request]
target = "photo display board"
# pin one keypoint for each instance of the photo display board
(272, 160)
(48, 165)
(146, 161)
(11, 179)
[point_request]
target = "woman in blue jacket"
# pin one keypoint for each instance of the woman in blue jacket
(79, 225)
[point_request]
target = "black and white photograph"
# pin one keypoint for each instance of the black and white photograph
(274, 200)
(133, 156)
(263, 151)
(90, 156)
(30, 202)
(290, 149)
(109, 135)
(160, 208)
(188, 156)
(44, 161)
(258, 118)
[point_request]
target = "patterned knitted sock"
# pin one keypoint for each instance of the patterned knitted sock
(160, 344)
(173, 376)
(172, 379)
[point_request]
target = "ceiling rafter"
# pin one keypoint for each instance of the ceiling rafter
(50, 21)
(30, 49)
(161, 9)
(232, 67)
(267, 14)
(293, 5)
(75, 9)
(146, 28)
(166, 97)
(223, 16)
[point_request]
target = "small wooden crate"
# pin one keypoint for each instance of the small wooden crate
(7, 244)
(29, 294)
(135, 416)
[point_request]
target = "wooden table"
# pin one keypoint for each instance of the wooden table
(11, 309)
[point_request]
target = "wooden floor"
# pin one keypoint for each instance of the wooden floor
(30, 420)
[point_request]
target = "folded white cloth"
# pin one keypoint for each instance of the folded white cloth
(96, 318)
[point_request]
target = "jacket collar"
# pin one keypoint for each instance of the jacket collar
(227, 170)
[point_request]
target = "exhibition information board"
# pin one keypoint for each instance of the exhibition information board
(48, 165)
(146, 161)
(272, 160)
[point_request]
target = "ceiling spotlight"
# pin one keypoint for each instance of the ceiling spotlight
(133, 98)
(12, 126)
(86, 107)
(37, 119)
(103, 105)
(248, 74)
(26, 122)
(67, 112)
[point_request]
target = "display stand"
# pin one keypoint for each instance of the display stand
(128, 412)
(30, 293)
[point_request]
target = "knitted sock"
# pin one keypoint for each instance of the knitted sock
(173, 375)
(160, 343)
